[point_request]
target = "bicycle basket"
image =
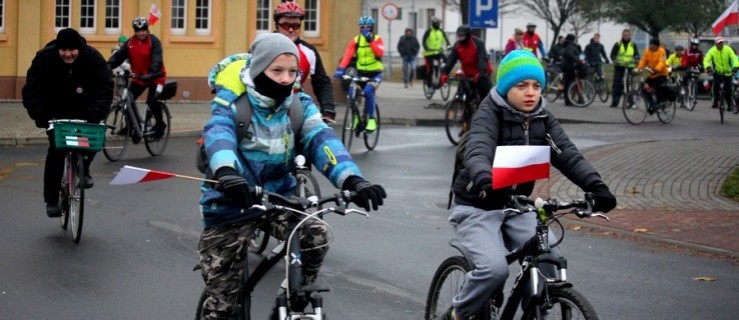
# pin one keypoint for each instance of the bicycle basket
(169, 90)
(79, 135)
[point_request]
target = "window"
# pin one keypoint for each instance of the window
(430, 13)
(202, 17)
(112, 16)
(263, 15)
(2, 16)
(179, 12)
(61, 14)
(310, 22)
(376, 15)
(87, 16)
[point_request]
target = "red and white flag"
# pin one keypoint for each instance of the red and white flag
(730, 16)
(154, 14)
(518, 164)
(131, 175)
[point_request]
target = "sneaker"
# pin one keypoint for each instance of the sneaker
(329, 116)
(159, 130)
(53, 210)
(89, 182)
(371, 125)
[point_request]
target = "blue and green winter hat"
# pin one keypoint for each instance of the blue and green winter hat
(517, 66)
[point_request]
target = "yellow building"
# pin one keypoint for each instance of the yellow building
(195, 34)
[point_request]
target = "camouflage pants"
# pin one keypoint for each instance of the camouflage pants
(222, 252)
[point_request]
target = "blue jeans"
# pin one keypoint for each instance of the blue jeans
(409, 69)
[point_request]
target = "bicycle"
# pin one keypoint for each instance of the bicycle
(124, 121)
(555, 84)
(354, 124)
(430, 88)
(75, 137)
(458, 112)
(721, 101)
(553, 297)
(599, 82)
(306, 186)
(690, 98)
(581, 92)
(291, 295)
(637, 104)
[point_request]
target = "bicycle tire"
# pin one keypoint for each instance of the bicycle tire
(116, 133)
(307, 184)
(667, 114)
(371, 138)
(347, 132)
(77, 198)
(721, 107)
(634, 108)
(690, 98)
(156, 145)
(566, 303)
(445, 90)
(601, 87)
(551, 93)
(583, 95)
(451, 273)
(454, 121)
(199, 309)
(430, 88)
(64, 193)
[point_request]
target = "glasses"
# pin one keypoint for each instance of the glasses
(365, 27)
(287, 26)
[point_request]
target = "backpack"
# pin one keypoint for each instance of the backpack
(243, 120)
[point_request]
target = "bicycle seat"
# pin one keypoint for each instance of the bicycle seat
(317, 286)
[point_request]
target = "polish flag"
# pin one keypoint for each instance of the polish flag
(730, 16)
(131, 175)
(518, 164)
(77, 141)
(154, 14)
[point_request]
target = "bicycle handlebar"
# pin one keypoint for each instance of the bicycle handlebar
(267, 198)
(582, 208)
(355, 78)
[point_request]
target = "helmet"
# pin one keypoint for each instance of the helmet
(694, 41)
(288, 9)
(679, 48)
(140, 23)
(531, 24)
(464, 30)
(435, 21)
(366, 21)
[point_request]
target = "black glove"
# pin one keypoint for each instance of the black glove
(233, 186)
(604, 200)
(366, 192)
(709, 70)
(146, 77)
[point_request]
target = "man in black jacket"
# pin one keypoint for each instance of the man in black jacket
(593, 53)
(570, 63)
(67, 80)
(408, 48)
(512, 114)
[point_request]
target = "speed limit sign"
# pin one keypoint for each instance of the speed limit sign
(390, 11)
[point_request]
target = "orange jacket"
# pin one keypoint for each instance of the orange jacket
(655, 60)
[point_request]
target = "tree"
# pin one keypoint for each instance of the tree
(697, 16)
(556, 12)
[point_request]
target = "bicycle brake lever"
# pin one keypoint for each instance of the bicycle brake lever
(600, 215)
(360, 212)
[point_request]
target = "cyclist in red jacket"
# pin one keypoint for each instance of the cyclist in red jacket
(470, 51)
(144, 52)
(693, 57)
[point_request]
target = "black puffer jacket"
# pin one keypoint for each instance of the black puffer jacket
(496, 123)
(56, 90)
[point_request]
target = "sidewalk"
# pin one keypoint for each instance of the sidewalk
(671, 196)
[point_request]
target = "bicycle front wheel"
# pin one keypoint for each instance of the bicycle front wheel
(447, 282)
(581, 93)
(454, 121)
(601, 87)
(371, 138)
(351, 120)
(77, 198)
(116, 133)
(64, 192)
(721, 107)
(691, 97)
(634, 108)
(551, 91)
(667, 114)
(445, 90)
(157, 138)
(566, 304)
(307, 185)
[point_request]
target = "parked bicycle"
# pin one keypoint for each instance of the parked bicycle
(306, 186)
(598, 78)
(76, 137)
(538, 296)
(124, 121)
(458, 112)
(292, 297)
(354, 120)
(640, 103)
(430, 88)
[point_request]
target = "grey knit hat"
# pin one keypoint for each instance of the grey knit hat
(266, 47)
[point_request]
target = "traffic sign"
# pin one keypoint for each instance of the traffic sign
(483, 13)
(390, 11)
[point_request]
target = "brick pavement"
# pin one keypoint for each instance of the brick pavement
(668, 191)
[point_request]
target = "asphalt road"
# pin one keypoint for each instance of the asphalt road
(138, 244)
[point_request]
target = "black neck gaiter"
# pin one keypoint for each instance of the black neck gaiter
(271, 89)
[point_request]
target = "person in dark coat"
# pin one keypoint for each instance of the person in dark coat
(593, 53)
(570, 63)
(512, 114)
(67, 80)
(408, 48)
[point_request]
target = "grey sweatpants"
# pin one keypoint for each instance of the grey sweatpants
(489, 236)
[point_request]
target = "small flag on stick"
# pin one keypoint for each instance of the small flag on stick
(131, 175)
(154, 14)
(518, 164)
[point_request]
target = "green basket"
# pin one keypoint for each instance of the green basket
(79, 135)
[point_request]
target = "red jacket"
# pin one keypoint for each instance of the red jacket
(692, 58)
(144, 56)
(471, 54)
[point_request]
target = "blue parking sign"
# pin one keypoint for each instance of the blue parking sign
(483, 13)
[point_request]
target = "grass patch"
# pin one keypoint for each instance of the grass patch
(731, 185)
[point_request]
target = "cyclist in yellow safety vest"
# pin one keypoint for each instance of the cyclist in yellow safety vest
(434, 42)
(721, 61)
(368, 49)
(625, 56)
(675, 62)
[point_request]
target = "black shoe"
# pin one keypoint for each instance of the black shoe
(614, 106)
(135, 138)
(159, 130)
(714, 106)
(89, 182)
(53, 210)
(569, 105)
